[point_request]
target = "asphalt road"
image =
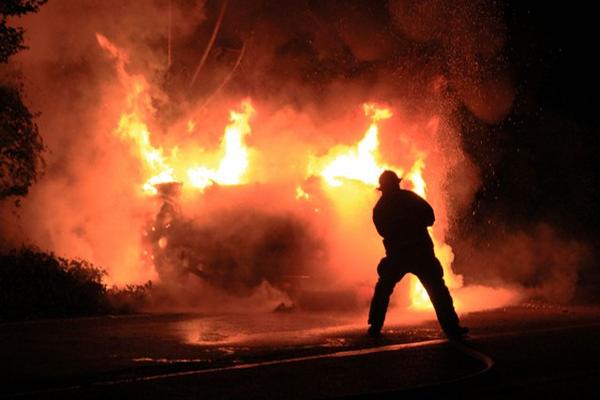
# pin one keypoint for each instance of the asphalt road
(538, 350)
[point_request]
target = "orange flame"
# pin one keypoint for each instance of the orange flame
(362, 162)
(419, 296)
(235, 154)
(161, 168)
(132, 126)
(132, 123)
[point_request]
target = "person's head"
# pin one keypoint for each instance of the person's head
(388, 181)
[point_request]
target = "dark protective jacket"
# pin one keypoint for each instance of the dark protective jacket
(401, 217)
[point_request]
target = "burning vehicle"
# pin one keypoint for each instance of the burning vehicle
(256, 247)
(244, 237)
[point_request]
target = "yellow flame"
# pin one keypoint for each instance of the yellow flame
(132, 126)
(362, 162)
(234, 163)
(415, 176)
(161, 168)
(418, 294)
(359, 162)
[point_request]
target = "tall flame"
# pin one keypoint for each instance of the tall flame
(419, 296)
(132, 126)
(159, 167)
(234, 163)
(362, 162)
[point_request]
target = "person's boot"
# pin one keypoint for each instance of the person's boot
(374, 331)
(458, 333)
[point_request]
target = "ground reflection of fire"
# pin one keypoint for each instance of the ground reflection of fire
(195, 170)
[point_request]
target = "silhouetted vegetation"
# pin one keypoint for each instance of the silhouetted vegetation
(20, 145)
(11, 38)
(130, 299)
(20, 142)
(35, 284)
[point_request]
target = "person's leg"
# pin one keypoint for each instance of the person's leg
(431, 276)
(381, 296)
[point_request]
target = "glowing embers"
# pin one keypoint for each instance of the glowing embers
(301, 194)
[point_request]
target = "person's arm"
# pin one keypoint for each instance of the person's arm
(422, 212)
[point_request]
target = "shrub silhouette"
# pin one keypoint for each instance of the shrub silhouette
(35, 284)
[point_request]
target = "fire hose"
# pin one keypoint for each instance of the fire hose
(486, 361)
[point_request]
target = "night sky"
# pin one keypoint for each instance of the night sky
(540, 164)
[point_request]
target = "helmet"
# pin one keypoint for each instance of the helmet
(388, 179)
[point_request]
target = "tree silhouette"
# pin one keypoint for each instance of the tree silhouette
(20, 142)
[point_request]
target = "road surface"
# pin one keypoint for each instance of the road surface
(538, 350)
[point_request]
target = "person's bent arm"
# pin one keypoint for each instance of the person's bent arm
(423, 213)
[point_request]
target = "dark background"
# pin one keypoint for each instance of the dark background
(541, 163)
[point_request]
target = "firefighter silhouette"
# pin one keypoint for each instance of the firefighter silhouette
(401, 217)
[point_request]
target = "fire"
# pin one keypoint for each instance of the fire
(235, 154)
(362, 163)
(159, 167)
(418, 294)
(231, 169)
(132, 126)
(301, 194)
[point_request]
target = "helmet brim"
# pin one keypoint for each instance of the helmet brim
(380, 187)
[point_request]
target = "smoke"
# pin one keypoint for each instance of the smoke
(308, 66)
(538, 261)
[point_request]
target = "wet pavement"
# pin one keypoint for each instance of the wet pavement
(536, 348)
